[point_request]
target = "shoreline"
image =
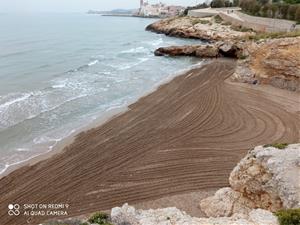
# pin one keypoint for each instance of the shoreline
(185, 136)
(108, 115)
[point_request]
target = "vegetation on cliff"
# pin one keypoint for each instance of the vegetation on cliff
(288, 217)
(279, 10)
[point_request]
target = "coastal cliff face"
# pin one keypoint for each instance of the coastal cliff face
(275, 62)
(266, 180)
(196, 28)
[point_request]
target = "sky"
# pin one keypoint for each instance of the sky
(78, 5)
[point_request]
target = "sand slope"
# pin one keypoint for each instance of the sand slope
(186, 136)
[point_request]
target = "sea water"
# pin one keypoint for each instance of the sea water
(59, 72)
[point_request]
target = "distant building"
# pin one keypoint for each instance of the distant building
(158, 10)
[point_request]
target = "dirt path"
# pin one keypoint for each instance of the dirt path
(184, 137)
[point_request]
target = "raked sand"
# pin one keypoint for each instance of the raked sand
(184, 137)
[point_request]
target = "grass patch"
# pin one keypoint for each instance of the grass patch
(196, 21)
(260, 36)
(288, 217)
(100, 218)
(277, 145)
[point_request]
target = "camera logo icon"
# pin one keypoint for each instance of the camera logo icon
(13, 209)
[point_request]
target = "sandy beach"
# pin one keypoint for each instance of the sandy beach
(184, 137)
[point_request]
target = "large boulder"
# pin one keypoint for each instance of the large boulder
(266, 178)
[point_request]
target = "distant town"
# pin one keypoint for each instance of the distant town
(158, 10)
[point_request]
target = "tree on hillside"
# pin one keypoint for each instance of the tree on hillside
(217, 3)
(283, 11)
(297, 15)
(292, 12)
(236, 3)
(199, 6)
(292, 1)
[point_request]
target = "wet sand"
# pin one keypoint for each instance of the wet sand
(185, 137)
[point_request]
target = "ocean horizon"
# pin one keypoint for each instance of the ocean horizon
(60, 72)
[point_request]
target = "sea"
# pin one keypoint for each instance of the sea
(61, 72)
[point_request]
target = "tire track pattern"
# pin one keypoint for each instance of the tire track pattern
(186, 136)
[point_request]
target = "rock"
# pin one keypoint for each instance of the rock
(225, 49)
(262, 217)
(269, 177)
(275, 62)
(124, 215)
(208, 51)
(173, 216)
(230, 49)
(226, 202)
(266, 178)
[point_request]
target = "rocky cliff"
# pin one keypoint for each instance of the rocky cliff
(275, 62)
(208, 29)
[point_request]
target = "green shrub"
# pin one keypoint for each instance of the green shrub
(100, 218)
(288, 217)
(242, 57)
(204, 22)
(218, 19)
(196, 21)
(199, 6)
(277, 145)
(217, 3)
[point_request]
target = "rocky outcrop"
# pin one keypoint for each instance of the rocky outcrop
(266, 178)
(207, 51)
(275, 62)
(218, 49)
(195, 28)
(172, 216)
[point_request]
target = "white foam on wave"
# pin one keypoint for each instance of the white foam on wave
(59, 85)
(30, 106)
(16, 100)
(41, 141)
(156, 42)
(22, 149)
(93, 62)
(136, 50)
(129, 65)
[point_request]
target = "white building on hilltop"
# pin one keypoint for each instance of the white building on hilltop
(158, 10)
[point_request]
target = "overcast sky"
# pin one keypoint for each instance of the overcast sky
(77, 5)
